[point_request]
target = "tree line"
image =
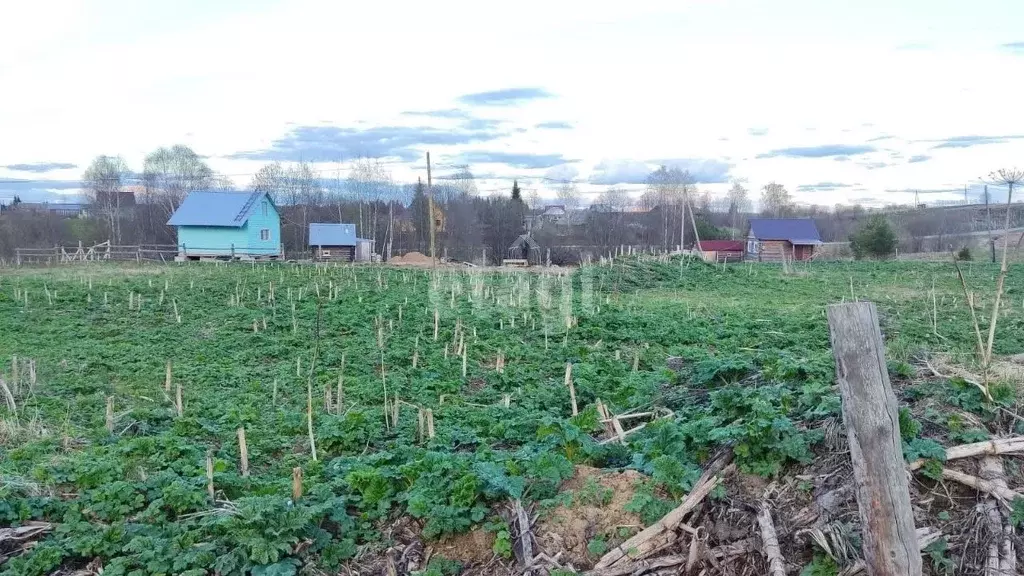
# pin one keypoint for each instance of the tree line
(132, 207)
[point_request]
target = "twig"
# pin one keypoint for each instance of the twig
(988, 447)
(770, 541)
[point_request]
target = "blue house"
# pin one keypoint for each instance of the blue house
(228, 224)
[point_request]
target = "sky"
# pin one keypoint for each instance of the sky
(840, 101)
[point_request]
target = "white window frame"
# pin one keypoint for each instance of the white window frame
(265, 235)
(325, 252)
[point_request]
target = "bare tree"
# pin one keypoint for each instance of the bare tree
(464, 182)
(370, 182)
(269, 179)
(739, 202)
(169, 174)
(569, 195)
(775, 200)
(104, 187)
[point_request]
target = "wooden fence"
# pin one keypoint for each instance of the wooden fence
(103, 251)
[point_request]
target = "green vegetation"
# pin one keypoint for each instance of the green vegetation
(874, 239)
(756, 376)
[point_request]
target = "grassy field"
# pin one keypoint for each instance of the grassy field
(723, 358)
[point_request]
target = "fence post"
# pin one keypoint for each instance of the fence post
(17, 256)
(232, 250)
(871, 416)
(184, 249)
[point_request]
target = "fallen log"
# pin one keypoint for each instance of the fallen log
(770, 541)
(645, 542)
(988, 447)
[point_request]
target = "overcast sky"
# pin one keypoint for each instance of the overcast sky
(840, 101)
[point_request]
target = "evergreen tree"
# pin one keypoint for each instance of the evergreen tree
(874, 239)
(420, 209)
(517, 195)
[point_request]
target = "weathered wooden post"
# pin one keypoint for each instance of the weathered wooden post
(872, 424)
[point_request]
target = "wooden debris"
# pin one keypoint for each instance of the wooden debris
(770, 541)
(988, 447)
(644, 543)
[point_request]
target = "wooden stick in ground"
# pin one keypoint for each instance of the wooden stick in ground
(178, 408)
(645, 542)
(14, 374)
(167, 377)
(429, 413)
(243, 452)
(572, 389)
(770, 541)
(8, 396)
(296, 484)
(870, 415)
(110, 414)
(998, 446)
(209, 474)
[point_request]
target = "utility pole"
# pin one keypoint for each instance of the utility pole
(430, 208)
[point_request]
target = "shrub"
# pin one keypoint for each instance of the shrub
(964, 254)
(874, 239)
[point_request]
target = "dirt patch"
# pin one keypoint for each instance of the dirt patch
(411, 259)
(471, 548)
(597, 512)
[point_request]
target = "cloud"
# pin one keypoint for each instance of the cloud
(41, 167)
(332, 143)
(842, 158)
(880, 137)
(1013, 47)
(562, 173)
(448, 113)
(40, 190)
(554, 126)
(821, 186)
(620, 172)
(506, 97)
(757, 131)
(968, 141)
(703, 170)
(514, 159)
(874, 165)
(918, 158)
(822, 151)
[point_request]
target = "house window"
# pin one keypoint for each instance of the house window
(325, 252)
(752, 246)
(265, 208)
(265, 234)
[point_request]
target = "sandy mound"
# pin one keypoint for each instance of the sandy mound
(597, 512)
(411, 259)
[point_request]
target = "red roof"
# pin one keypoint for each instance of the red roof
(721, 245)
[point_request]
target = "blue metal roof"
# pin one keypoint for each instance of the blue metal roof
(796, 230)
(229, 209)
(332, 234)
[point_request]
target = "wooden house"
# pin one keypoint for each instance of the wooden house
(227, 225)
(722, 250)
(333, 242)
(779, 239)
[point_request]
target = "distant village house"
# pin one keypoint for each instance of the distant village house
(227, 225)
(778, 239)
(338, 243)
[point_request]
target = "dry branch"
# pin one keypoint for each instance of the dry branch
(645, 542)
(770, 541)
(987, 486)
(988, 447)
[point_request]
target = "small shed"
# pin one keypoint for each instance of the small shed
(722, 250)
(333, 242)
(227, 225)
(782, 239)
